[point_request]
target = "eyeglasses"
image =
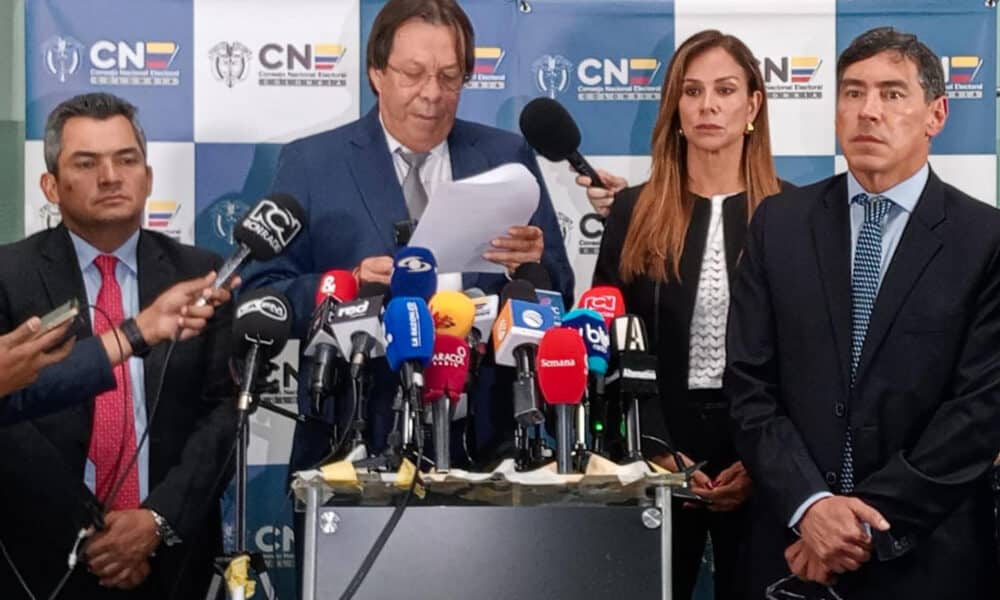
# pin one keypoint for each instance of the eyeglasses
(449, 79)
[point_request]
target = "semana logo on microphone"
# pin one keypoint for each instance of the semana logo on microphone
(273, 224)
(268, 306)
(557, 363)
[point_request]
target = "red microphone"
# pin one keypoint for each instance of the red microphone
(444, 381)
(606, 300)
(337, 284)
(562, 377)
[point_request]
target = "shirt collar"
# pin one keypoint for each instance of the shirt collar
(126, 253)
(904, 194)
(439, 151)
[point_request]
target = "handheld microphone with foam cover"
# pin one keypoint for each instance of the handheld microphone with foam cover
(445, 379)
(538, 276)
(261, 328)
(596, 340)
(335, 286)
(263, 233)
(552, 132)
(409, 337)
(606, 300)
(453, 313)
(517, 330)
(562, 377)
(414, 273)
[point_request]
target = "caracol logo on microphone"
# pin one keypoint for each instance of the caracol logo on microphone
(557, 362)
(269, 306)
(413, 264)
(451, 359)
(273, 224)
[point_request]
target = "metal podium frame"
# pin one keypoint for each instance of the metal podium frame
(662, 501)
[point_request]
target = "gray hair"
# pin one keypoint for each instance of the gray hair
(99, 106)
(878, 40)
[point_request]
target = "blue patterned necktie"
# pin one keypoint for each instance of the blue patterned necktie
(864, 288)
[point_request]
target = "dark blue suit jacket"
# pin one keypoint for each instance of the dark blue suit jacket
(346, 182)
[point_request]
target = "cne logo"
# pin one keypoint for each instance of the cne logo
(485, 72)
(134, 63)
(273, 224)
(792, 77)
(618, 79)
(62, 56)
(301, 65)
(269, 306)
(960, 75)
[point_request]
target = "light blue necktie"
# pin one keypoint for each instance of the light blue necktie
(864, 288)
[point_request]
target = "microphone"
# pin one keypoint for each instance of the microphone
(519, 326)
(552, 132)
(262, 325)
(590, 325)
(445, 380)
(358, 325)
(633, 373)
(539, 277)
(335, 286)
(606, 300)
(409, 337)
(414, 273)
(562, 377)
(263, 233)
(453, 313)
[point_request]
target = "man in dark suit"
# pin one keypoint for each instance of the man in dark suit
(63, 470)
(863, 366)
(358, 181)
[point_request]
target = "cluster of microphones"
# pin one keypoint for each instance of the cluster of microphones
(580, 375)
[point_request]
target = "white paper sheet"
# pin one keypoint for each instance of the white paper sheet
(463, 216)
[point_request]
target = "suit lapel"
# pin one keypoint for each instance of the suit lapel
(373, 171)
(916, 248)
(466, 158)
(156, 274)
(831, 228)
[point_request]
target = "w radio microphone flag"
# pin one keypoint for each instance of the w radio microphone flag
(562, 377)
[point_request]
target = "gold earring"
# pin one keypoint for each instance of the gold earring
(750, 128)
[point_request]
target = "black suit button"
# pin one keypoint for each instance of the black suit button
(897, 545)
(831, 478)
(839, 409)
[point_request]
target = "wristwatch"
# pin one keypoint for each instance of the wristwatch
(164, 531)
(140, 347)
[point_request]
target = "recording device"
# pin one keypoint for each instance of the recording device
(402, 231)
(262, 325)
(67, 311)
(414, 273)
(357, 326)
(445, 378)
(562, 377)
(590, 325)
(606, 300)
(335, 287)
(633, 375)
(263, 233)
(552, 132)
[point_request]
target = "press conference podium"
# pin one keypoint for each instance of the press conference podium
(493, 540)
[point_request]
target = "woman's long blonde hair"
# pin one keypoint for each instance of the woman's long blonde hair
(663, 212)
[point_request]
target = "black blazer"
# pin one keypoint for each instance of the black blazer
(42, 460)
(925, 408)
(666, 309)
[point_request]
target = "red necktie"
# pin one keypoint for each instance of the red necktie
(112, 439)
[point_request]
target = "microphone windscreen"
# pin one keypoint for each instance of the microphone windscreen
(337, 284)
(518, 289)
(414, 273)
(409, 331)
(475, 292)
(562, 366)
(606, 300)
(534, 273)
(550, 129)
(595, 337)
(449, 368)
(453, 313)
(370, 289)
(270, 226)
(263, 317)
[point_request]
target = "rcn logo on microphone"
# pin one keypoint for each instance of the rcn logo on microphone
(269, 306)
(413, 264)
(602, 304)
(273, 224)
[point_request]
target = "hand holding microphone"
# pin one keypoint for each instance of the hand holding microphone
(602, 196)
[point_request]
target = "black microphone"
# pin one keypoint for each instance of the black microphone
(357, 326)
(632, 374)
(263, 233)
(553, 133)
(262, 325)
